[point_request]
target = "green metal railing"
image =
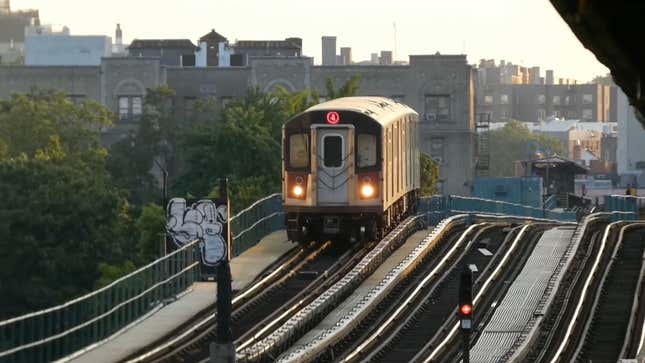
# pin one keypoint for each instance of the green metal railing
(62, 330)
(253, 223)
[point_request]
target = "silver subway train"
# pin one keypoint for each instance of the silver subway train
(350, 168)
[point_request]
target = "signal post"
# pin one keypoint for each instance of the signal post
(466, 311)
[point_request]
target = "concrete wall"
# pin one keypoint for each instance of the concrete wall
(80, 81)
(65, 50)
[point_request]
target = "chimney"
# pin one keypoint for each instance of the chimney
(119, 35)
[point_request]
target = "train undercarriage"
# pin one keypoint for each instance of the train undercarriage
(354, 224)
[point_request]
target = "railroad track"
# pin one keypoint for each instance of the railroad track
(175, 345)
(587, 233)
(566, 318)
(281, 338)
(604, 336)
(490, 287)
(393, 327)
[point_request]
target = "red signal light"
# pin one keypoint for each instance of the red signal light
(333, 117)
(466, 309)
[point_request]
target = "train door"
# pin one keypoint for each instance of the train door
(334, 162)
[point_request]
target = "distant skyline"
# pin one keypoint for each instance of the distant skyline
(526, 32)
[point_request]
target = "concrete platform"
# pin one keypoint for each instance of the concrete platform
(525, 300)
(244, 269)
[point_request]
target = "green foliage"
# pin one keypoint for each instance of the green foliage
(429, 175)
(62, 215)
(47, 124)
(131, 160)
(511, 143)
(350, 88)
(244, 144)
(151, 226)
(110, 273)
(59, 220)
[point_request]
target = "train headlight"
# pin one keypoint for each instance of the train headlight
(367, 191)
(298, 191)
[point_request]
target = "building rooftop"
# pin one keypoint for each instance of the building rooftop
(287, 43)
(161, 43)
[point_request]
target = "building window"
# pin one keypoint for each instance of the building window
(567, 100)
(504, 115)
(437, 108)
(541, 99)
(76, 99)
(130, 107)
(587, 114)
(488, 99)
(587, 99)
(503, 99)
(541, 114)
(556, 100)
(571, 114)
(557, 114)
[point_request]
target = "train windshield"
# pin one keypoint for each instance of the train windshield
(366, 145)
(333, 151)
(298, 151)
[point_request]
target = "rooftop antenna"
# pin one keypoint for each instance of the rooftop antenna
(394, 55)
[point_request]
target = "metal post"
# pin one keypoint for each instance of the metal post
(164, 201)
(223, 349)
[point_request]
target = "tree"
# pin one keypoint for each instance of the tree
(31, 123)
(131, 160)
(350, 88)
(61, 216)
(151, 226)
(60, 219)
(512, 143)
(429, 175)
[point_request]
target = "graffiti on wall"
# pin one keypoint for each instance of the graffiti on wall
(203, 220)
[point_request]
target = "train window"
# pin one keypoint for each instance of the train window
(298, 151)
(366, 150)
(332, 151)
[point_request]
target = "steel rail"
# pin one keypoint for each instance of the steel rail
(237, 299)
(478, 297)
(608, 270)
(377, 334)
(305, 317)
(583, 294)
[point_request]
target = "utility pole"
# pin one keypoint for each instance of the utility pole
(223, 349)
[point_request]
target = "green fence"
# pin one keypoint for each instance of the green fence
(438, 207)
(49, 334)
(62, 330)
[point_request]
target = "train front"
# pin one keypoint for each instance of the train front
(331, 175)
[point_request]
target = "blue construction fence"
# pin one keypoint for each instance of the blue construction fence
(632, 206)
(438, 207)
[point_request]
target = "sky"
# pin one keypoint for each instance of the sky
(526, 32)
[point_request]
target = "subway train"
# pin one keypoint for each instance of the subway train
(350, 169)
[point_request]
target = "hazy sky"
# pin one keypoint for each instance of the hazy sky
(528, 32)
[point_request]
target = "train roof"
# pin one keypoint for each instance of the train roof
(382, 110)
